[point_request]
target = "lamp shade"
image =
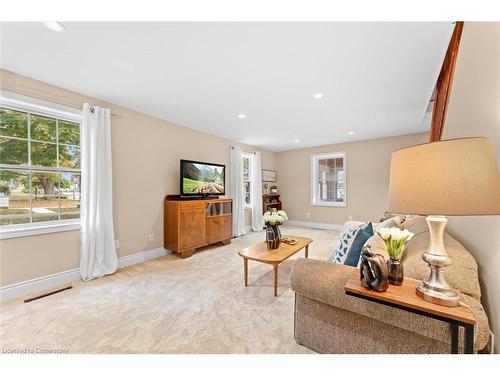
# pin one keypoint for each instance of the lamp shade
(452, 177)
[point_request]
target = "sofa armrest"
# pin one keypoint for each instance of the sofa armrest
(324, 282)
(321, 281)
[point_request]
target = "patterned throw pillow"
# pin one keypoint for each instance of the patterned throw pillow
(341, 251)
(348, 249)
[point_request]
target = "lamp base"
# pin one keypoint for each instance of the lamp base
(448, 297)
(435, 288)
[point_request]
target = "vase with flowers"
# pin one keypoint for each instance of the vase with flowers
(395, 240)
(273, 219)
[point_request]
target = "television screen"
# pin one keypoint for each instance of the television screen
(198, 178)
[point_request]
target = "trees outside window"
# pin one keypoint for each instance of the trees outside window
(39, 167)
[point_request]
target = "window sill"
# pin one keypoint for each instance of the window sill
(36, 229)
(328, 204)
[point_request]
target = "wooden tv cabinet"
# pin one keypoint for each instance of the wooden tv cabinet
(191, 224)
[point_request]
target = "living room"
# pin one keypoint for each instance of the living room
(165, 200)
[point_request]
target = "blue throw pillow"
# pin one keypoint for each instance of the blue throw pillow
(357, 244)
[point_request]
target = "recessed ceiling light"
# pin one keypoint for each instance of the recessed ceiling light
(296, 141)
(350, 133)
(55, 26)
(242, 115)
(318, 95)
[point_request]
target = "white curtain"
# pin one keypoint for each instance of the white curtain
(256, 192)
(237, 191)
(97, 251)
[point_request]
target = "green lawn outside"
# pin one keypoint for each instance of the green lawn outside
(10, 211)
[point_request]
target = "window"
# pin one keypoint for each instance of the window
(247, 180)
(39, 165)
(328, 185)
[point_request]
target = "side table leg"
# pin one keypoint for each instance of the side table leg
(275, 270)
(469, 339)
(245, 270)
(454, 338)
(307, 251)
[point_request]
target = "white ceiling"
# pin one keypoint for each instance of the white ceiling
(377, 78)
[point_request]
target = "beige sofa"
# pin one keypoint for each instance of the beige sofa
(329, 321)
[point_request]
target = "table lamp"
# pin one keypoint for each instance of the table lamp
(452, 177)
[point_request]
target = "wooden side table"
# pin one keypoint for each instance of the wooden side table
(405, 298)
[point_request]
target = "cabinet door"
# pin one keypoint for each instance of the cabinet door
(192, 228)
(218, 228)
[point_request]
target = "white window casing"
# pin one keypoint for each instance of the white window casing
(34, 106)
(319, 193)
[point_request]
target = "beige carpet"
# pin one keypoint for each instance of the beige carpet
(169, 305)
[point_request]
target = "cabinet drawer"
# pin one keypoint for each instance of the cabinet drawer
(195, 205)
(218, 228)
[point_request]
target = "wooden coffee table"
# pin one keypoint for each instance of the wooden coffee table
(260, 253)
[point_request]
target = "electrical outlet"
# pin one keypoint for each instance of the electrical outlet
(308, 214)
(151, 237)
(117, 244)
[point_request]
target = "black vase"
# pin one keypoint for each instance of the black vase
(395, 272)
(273, 237)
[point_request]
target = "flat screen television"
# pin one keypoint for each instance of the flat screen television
(200, 178)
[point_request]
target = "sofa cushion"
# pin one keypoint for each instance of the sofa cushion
(394, 221)
(461, 275)
(377, 244)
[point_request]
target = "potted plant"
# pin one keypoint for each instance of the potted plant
(395, 240)
(273, 219)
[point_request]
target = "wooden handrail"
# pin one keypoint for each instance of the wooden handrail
(443, 85)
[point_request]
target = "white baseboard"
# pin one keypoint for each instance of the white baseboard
(143, 256)
(24, 288)
(310, 224)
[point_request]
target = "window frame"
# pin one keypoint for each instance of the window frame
(35, 106)
(249, 156)
(315, 201)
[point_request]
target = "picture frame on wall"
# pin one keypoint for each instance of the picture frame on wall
(268, 175)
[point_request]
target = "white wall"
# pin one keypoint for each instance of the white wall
(474, 110)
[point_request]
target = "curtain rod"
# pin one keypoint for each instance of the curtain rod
(253, 151)
(115, 115)
(91, 109)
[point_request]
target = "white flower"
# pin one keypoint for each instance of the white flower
(396, 233)
(407, 234)
(384, 233)
(282, 214)
(275, 217)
